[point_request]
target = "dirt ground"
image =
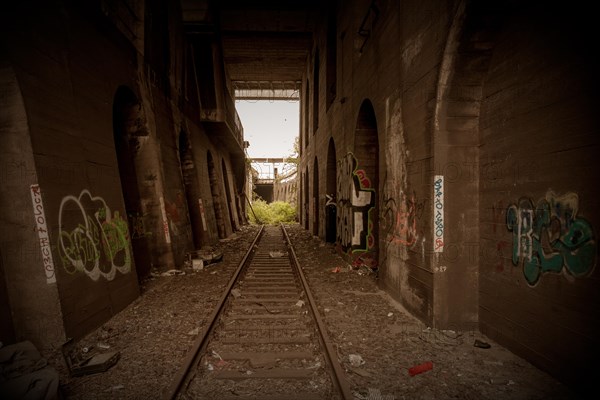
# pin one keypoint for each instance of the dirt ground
(376, 339)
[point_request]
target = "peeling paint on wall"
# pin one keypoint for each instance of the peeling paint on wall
(95, 243)
(551, 237)
(42, 230)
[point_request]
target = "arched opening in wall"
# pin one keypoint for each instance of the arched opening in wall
(129, 130)
(330, 196)
(316, 207)
(215, 192)
(192, 188)
(228, 195)
(306, 197)
(361, 172)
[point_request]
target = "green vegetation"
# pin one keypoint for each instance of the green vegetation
(271, 214)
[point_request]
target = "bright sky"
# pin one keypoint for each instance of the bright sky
(269, 126)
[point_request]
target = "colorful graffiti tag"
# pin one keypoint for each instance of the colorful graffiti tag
(356, 200)
(551, 237)
(92, 240)
(399, 219)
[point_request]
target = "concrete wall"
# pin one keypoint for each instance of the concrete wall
(538, 198)
(483, 140)
(91, 126)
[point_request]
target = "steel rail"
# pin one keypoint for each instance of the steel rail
(202, 340)
(338, 373)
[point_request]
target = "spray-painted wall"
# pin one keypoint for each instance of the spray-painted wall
(485, 196)
(538, 204)
(90, 137)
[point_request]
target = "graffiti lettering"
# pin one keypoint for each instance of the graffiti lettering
(137, 222)
(551, 237)
(96, 244)
(401, 223)
(356, 200)
(438, 214)
(42, 230)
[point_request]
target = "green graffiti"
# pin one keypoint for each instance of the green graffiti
(551, 237)
(98, 245)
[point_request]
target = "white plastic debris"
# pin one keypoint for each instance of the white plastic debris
(236, 293)
(276, 254)
(356, 360)
(197, 264)
(194, 332)
(390, 314)
(299, 303)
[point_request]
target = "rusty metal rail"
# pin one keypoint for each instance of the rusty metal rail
(266, 338)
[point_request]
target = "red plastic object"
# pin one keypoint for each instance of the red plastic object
(418, 369)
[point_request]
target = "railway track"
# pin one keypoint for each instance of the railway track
(266, 339)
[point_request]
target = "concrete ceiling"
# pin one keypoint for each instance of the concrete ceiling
(266, 43)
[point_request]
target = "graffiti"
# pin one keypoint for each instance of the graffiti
(400, 222)
(355, 203)
(165, 220)
(438, 214)
(96, 244)
(42, 230)
(330, 200)
(551, 237)
(137, 222)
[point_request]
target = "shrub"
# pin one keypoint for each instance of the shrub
(271, 214)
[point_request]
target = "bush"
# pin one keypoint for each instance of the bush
(271, 214)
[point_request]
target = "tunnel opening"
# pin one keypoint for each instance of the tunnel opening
(330, 204)
(129, 130)
(358, 182)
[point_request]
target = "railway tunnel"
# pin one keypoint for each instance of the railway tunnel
(430, 140)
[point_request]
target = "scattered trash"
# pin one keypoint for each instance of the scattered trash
(326, 310)
(315, 366)
(299, 303)
(214, 272)
(356, 360)
(210, 367)
(215, 354)
(390, 314)
(194, 332)
(276, 254)
(197, 264)
(25, 374)
(236, 293)
(172, 272)
(481, 344)
(336, 269)
(103, 346)
(418, 369)
(86, 360)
